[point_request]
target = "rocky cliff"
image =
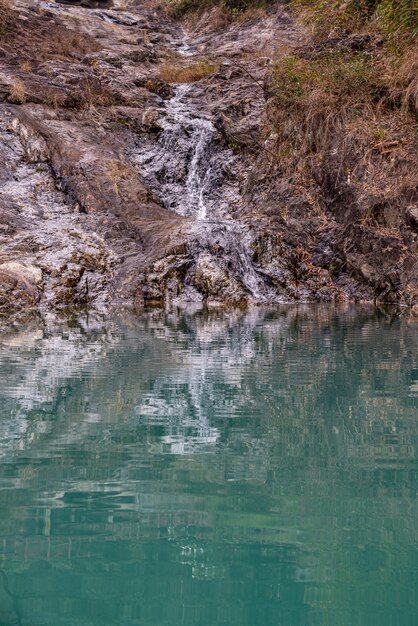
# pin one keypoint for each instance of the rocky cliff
(140, 164)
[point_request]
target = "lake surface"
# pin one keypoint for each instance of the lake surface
(231, 469)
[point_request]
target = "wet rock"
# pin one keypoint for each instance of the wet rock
(158, 86)
(151, 120)
(141, 56)
(165, 279)
(19, 287)
(189, 298)
(216, 284)
(36, 149)
(29, 273)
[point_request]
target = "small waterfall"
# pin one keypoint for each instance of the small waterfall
(250, 278)
(234, 240)
(198, 179)
(189, 168)
(182, 166)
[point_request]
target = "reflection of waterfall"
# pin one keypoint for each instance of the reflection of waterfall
(46, 367)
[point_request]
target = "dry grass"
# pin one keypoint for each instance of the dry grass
(7, 19)
(324, 16)
(25, 66)
(171, 72)
(69, 43)
(91, 93)
(397, 20)
(402, 77)
(218, 18)
(53, 97)
(17, 93)
(234, 9)
(355, 105)
(313, 100)
(117, 172)
(341, 121)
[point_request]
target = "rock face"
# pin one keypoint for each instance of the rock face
(118, 185)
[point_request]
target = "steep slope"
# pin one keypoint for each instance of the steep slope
(137, 167)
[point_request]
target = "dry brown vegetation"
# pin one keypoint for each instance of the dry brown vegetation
(17, 93)
(117, 171)
(90, 93)
(402, 77)
(397, 20)
(313, 101)
(230, 8)
(350, 100)
(172, 72)
(25, 65)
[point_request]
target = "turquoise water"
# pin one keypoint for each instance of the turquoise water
(237, 469)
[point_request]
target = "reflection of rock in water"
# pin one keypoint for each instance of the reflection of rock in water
(178, 376)
(9, 615)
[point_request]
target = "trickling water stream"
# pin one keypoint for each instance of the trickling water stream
(194, 174)
(183, 165)
(198, 179)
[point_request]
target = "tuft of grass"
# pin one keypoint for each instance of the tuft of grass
(17, 93)
(68, 43)
(91, 93)
(25, 65)
(117, 172)
(158, 86)
(402, 78)
(172, 73)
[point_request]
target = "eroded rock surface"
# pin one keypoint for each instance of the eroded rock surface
(117, 185)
